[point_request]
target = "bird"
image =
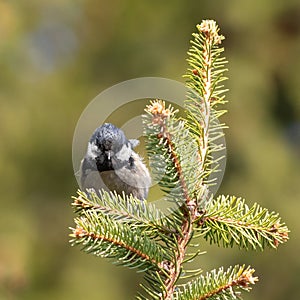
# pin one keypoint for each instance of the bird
(111, 164)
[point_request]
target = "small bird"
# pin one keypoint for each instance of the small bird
(111, 164)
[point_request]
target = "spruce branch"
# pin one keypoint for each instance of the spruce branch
(127, 209)
(124, 209)
(182, 155)
(173, 136)
(206, 93)
(168, 134)
(103, 237)
(172, 152)
(229, 220)
(218, 284)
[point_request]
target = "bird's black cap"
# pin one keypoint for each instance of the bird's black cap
(108, 137)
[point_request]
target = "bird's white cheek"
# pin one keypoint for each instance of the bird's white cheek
(92, 150)
(124, 153)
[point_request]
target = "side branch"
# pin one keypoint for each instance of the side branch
(228, 220)
(160, 117)
(80, 232)
(128, 245)
(166, 137)
(124, 209)
(218, 284)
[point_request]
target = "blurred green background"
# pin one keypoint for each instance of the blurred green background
(55, 56)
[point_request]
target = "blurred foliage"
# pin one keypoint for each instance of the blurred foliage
(56, 56)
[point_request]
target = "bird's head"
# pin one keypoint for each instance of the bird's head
(109, 147)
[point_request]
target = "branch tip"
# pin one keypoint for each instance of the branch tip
(211, 30)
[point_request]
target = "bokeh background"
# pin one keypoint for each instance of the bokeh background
(55, 56)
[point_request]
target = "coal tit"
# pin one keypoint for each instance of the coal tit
(111, 164)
